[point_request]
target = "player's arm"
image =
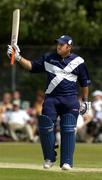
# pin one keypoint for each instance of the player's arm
(35, 66)
(85, 93)
(85, 104)
(26, 64)
(84, 80)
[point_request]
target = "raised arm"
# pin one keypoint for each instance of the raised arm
(35, 66)
(26, 64)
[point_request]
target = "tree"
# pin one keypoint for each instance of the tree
(44, 20)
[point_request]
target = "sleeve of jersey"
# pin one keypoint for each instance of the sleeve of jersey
(83, 75)
(38, 65)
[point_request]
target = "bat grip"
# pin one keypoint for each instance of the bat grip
(12, 57)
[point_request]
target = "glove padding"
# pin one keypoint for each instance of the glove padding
(17, 52)
(85, 107)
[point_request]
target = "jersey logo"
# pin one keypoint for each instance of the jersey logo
(53, 61)
(62, 74)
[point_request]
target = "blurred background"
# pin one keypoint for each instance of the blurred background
(42, 21)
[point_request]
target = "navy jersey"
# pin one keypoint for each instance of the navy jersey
(62, 74)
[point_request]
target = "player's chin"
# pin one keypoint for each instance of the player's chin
(59, 52)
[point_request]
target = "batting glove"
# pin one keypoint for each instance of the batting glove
(85, 107)
(17, 52)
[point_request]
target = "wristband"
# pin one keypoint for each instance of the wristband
(85, 99)
(19, 58)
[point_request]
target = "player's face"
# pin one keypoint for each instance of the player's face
(63, 49)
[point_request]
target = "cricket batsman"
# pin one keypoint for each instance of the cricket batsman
(63, 70)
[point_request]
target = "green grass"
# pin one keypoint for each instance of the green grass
(86, 155)
(20, 153)
(21, 174)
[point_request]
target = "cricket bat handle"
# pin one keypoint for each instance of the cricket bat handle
(12, 57)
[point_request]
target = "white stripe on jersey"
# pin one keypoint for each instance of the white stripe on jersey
(62, 73)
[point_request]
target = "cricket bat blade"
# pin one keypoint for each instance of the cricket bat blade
(15, 31)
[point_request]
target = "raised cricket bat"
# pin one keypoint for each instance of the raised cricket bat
(15, 31)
